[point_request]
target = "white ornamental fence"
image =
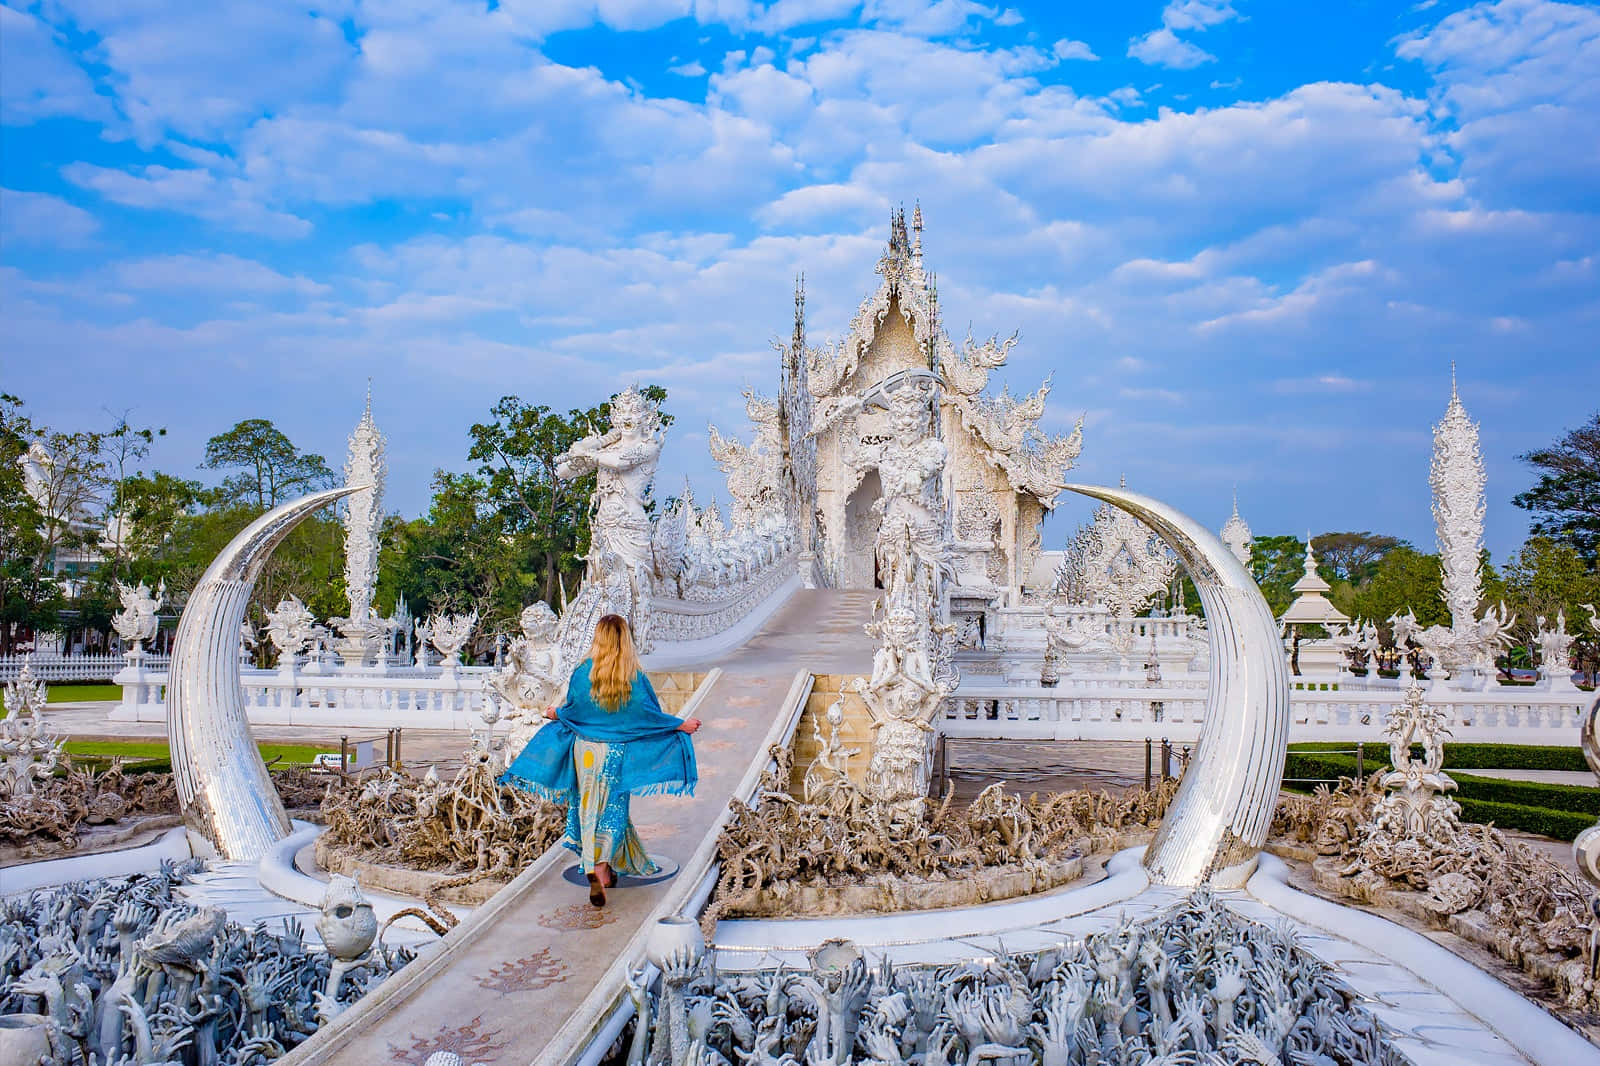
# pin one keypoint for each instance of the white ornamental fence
(89, 667)
(455, 697)
(1132, 711)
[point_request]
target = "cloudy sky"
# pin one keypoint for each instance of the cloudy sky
(1246, 239)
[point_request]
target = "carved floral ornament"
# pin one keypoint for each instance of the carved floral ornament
(1117, 561)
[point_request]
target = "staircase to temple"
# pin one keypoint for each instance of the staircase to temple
(532, 975)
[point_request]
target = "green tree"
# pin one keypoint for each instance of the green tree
(1352, 557)
(123, 447)
(272, 469)
(152, 507)
(517, 452)
(1547, 576)
(1277, 563)
(50, 493)
(29, 596)
(456, 557)
(1404, 578)
(1565, 501)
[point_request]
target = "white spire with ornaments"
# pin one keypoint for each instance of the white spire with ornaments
(1458, 479)
(1236, 534)
(1312, 606)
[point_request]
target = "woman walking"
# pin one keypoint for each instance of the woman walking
(608, 742)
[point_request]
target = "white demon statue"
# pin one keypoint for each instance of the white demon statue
(531, 678)
(619, 564)
(136, 623)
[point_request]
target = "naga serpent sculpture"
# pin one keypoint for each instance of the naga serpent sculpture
(224, 789)
(1219, 819)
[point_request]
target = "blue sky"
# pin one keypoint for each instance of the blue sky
(1246, 239)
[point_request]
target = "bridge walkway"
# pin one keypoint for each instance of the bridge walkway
(532, 973)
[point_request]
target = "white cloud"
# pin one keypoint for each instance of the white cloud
(826, 205)
(1197, 14)
(210, 272)
(1163, 48)
(692, 69)
(38, 79)
(199, 192)
(1067, 48)
(1517, 80)
(40, 219)
(180, 67)
(1331, 382)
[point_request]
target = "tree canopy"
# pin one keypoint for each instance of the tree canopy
(271, 469)
(1565, 501)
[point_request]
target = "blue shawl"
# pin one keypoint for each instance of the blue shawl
(657, 756)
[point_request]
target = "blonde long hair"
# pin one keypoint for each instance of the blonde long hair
(615, 662)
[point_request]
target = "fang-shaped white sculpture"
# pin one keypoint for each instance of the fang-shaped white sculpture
(1220, 816)
(223, 786)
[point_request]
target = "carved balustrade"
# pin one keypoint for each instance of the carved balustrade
(89, 667)
(1113, 707)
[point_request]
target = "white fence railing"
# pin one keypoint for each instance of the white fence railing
(324, 693)
(1135, 711)
(89, 667)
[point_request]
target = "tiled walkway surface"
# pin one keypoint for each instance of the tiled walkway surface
(511, 976)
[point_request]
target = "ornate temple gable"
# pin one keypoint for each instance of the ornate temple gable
(1008, 429)
(904, 287)
(1004, 427)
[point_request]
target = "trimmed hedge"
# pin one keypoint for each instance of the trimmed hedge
(1561, 825)
(1558, 811)
(1471, 756)
(1575, 799)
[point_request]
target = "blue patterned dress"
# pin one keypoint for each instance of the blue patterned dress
(595, 761)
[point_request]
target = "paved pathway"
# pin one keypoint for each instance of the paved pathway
(513, 982)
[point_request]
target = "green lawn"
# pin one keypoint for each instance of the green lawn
(142, 751)
(70, 693)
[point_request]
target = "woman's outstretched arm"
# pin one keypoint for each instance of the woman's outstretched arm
(685, 725)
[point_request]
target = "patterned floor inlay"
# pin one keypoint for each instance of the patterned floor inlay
(468, 1041)
(576, 916)
(528, 974)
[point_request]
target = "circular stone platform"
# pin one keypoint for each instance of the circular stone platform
(669, 869)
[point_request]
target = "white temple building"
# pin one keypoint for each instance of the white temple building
(1003, 473)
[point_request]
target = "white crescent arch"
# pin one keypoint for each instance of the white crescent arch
(224, 789)
(1220, 816)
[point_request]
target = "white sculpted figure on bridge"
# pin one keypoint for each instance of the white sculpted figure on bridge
(623, 460)
(618, 575)
(531, 678)
(754, 471)
(136, 623)
(902, 697)
(905, 464)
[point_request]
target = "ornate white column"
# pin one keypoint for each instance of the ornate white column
(1457, 479)
(362, 630)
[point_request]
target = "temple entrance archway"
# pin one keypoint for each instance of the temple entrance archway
(858, 569)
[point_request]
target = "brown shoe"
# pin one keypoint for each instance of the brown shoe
(597, 891)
